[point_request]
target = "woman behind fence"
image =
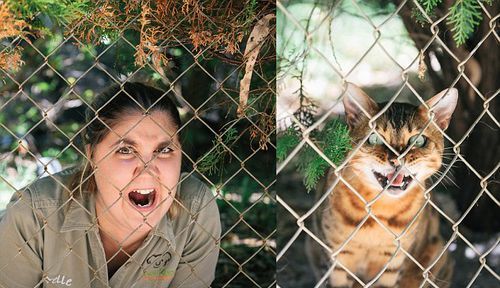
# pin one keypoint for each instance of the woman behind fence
(126, 218)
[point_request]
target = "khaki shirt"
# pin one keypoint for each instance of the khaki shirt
(48, 239)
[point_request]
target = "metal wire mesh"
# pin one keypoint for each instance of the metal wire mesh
(41, 135)
(312, 23)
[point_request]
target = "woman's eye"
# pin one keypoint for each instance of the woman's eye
(125, 151)
(374, 139)
(165, 150)
(418, 140)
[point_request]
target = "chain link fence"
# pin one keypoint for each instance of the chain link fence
(225, 140)
(398, 50)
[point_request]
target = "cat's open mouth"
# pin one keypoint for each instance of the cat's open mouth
(399, 183)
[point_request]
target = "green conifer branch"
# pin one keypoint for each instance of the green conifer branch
(211, 162)
(287, 141)
(465, 16)
(429, 5)
(333, 140)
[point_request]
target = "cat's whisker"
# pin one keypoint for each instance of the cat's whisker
(449, 154)
(446, 165)
(451, 157)
(445, 180)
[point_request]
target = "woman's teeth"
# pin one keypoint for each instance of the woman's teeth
(142, 197)
(145, 191)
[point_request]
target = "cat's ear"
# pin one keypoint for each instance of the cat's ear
(442, 104)
(355, 101)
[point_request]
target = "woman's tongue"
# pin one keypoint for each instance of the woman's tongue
(139, 199)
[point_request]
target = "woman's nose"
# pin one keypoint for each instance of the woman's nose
(147, 164)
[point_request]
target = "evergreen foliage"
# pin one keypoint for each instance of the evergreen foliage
(212, 162)
(465, 16)
(61, 11)
(287, 141)
(429, 5)
(333, 140)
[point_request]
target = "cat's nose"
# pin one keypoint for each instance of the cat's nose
(395, 162)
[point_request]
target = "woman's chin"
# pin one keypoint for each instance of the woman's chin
(148, 217)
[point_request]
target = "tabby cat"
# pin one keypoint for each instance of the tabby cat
(375, 169)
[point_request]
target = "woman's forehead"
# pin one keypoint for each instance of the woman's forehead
(138, 127)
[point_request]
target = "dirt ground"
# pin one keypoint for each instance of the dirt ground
(293, 269)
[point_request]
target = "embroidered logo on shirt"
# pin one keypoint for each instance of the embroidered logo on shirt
(161, 274)
(159, 260)
(60, 279)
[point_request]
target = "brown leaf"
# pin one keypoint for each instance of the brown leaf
(255, 40)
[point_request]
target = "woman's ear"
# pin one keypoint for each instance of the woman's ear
(442, 104)
(358, 105)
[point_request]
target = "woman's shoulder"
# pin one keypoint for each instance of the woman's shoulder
(51, 190)
(193, 192)
(39, 199)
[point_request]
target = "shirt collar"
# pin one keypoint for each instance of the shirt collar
(80, 214)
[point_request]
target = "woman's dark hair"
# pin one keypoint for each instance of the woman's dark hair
(107, 109)
(116, 101)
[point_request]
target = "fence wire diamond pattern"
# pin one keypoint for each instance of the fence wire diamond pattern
(313, 23)
(40, 133)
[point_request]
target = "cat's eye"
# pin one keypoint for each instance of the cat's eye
(374, 139)
(419, 141)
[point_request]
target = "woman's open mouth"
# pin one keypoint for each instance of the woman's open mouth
(399, 181)
(142, 198)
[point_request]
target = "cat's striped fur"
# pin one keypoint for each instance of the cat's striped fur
(372, 253)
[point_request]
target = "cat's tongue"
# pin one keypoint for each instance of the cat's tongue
(398, 181)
